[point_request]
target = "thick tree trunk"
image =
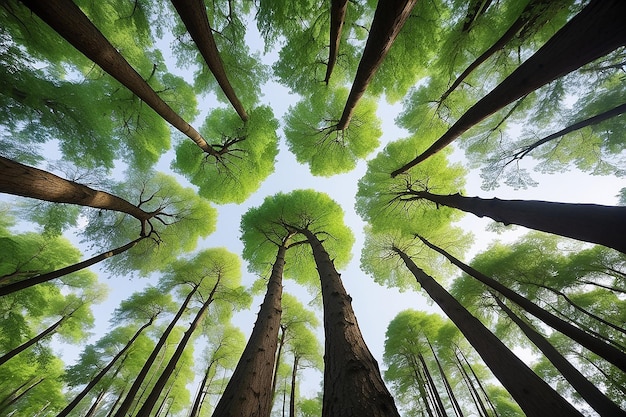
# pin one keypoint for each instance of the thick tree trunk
(104, 370)
(597, 346)
(353, 385)
(589, 392)
(20, 285)
(594, 32)
(132, 392)
(534, 396)
(72, 24)
(594, 223)
(48, 332)
(249, 390)
(338, 10)
(389, 18)
(292, 393)
(193, 14)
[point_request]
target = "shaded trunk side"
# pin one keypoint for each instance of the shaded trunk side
(193, 14)
(199, 400)
(594, 32)
(15, 397)
(249, 390)
(388, 20)
(338, 10)
(588, 391)
(292, 393)
(534, 396)
(446, 382)
(434, 391)
(70, 22)
(594, 223)
(353, 385)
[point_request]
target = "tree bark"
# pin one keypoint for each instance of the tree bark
(292, 393)
(15, 397)
(441, 409)
(589, 392)
(534, 396)
(597, 346)
(338, 10)
(594, 223)
(249, 390)
(446, 382)
(594, 32)
(197, 402)
(71, 23)
(388, 20)
(353, 385)
(132, 392)
(20, 285)
(193, 14)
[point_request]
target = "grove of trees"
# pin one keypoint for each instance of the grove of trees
(386, 208)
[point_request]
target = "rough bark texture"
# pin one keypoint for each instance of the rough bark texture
(389, 18)
(337, 19)
(604, 225)
(588, 391)
(597, 30)
(249, 390)
(534, 396)
(193, 14)
(72, 24)
(602, 349)
(353, 385)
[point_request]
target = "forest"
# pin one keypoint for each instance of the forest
(312, 208)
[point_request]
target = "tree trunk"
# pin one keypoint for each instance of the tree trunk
(72, 24)
(534, 396)
(96, 403)
(604, 350)
(26, 181)
(117, 401)
(476, 9)
(197, 402)
(421, 384)
(455, 404)
(249, 390)
(589, 392)
(292, 393)
(132, 392)
(153, 397)
(441, 409)
(594, 32)
(15, 397)
(338, 10)
(20, 285)
(353, 385)
(104, 370)
(193, 14)
(48, 332)
(478, 401)
(388, 20)
(604, 225)
(480, 384)
(281, 343)
(606, 287)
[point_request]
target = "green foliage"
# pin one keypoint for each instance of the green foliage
(248, 152)
(312, 134)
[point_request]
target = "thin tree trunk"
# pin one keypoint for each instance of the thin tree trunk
(589, 392)
(480, 384)
(153, 397)
(446, 382)
(292, 393)
(193, 14)
(389, 18)
(617, 384)
(95, 404)
(72, 24)
(197, 402)
(15, 397)
(281, 343)
(607, 287)
(421, 384)
(441, 409)
(476, 9)
(132, 392)
(478, 401)
(604, 225)
(534, 396)
(604, 350)
(104, 370)
(570, 319)
(48, 332)
(117, 401)
(353, 385)
(20, 285)
(249, 390)
(594, 32)
(338, 10)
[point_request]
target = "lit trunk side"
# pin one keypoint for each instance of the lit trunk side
(594, 223)
(249, 390)
(74, 26)
(597, 346)
(353, 385)
(532, 394)
(338, 10)
(588, 391)
(193, 14)
(389, 18)
(594, 32)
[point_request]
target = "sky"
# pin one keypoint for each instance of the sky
(375, 306)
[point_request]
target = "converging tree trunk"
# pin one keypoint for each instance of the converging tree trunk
(604, 225)
(353, 385)
(434, 391)
(389, 18)
(588, 391)
(292, 393)
(594, 32)
(534, 396)
(71, 23)
(15, 396)
(600, 348)
(338, 10)
(193, 14)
